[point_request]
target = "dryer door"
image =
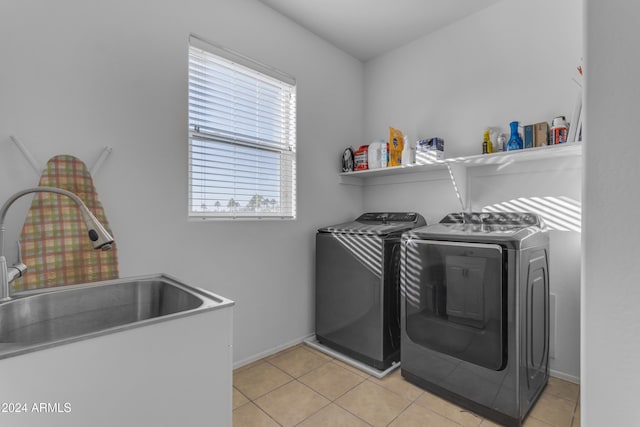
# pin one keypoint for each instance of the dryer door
(454, 298)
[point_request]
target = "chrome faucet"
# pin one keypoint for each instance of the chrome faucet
(97, 234)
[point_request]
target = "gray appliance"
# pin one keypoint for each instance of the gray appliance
(358, 286)
(475, 311)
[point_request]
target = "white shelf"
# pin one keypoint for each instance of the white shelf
(572, 149)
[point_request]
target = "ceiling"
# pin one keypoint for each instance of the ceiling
(368, 28)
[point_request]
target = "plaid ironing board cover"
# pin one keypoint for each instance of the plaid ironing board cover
(55, 246)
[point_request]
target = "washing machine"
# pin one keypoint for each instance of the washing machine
(358, 286)
(475, 311)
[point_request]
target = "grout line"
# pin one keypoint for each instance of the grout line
(263, 410)
(267, 414)
(345, 392)
(312, 414)
(277, 388)
(280, 386)
(244, 404)
(244, 395)
(541, 421)
(568, 399)
(348, 411)
(348, 390)
(401, 412)
(559, 397)
(334, 401)
(251, 402)
(388, 389)
(381, 384)
(575, 409)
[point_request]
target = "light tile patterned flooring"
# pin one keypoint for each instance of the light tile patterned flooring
(301, 386)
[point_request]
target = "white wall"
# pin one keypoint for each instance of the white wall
(511, 61)
(78, 75)
(610, 291)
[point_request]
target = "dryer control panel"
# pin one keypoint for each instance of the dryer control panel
(515, 219)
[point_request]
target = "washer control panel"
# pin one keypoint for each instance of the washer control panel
(386, 217)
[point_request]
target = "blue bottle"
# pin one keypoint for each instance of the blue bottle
(515, 141)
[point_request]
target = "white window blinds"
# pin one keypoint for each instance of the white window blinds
(242, 136)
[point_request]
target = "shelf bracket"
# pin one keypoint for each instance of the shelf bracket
(458, 176)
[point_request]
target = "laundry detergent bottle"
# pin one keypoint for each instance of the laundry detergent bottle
(487, 146)
(515, 140)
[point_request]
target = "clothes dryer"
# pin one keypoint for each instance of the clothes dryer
(475, 311)
(358, 286)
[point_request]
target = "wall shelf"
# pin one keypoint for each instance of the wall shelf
(503, 158)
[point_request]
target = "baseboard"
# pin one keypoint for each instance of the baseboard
(563, 376)
(271, 351)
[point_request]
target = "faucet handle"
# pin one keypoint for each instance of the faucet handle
(16, 271)
(8, 275)
(19, 244)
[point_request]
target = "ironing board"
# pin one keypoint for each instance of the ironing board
(54, 241)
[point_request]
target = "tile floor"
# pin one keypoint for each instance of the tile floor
(301, 386)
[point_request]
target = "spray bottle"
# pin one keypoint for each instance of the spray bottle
(408, 152)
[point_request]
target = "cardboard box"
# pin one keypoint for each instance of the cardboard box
(528, 136)
(541, 134)
(428, 150)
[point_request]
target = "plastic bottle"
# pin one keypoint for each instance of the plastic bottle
(408, 152)
(501, 142)
(413, 148)
(388, 155)
(559, 130)
(487, 145)
(515, 140)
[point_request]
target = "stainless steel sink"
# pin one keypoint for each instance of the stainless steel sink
(44, 318)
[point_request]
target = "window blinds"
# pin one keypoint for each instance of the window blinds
(242, 136)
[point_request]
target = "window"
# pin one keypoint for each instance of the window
(242, 136)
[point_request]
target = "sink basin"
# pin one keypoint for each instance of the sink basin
(54, 316)
(111, 348)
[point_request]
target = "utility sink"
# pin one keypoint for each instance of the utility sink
(44, 318)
